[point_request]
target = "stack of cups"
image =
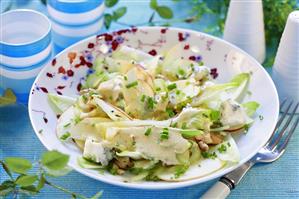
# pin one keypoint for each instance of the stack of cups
(73, 21)
(244, 27)
(286, 65)
(25, 48)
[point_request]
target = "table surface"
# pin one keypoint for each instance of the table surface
(17, 138)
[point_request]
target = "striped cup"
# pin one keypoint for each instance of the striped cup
(25, 47)
(73, 21)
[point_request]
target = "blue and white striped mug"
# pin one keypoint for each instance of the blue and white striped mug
(25, 48)
(73, 21)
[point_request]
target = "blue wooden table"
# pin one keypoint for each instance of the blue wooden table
(277, 180)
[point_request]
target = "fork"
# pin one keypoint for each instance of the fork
(272, 150)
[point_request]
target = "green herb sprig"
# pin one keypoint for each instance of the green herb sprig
(22, 181)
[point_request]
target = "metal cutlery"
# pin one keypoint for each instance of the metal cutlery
(272, 150)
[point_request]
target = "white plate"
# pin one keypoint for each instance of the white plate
(215, 53)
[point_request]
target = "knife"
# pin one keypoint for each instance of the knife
(225, 184)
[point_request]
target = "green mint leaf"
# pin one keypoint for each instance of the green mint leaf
(119, 13)
(97, 195)
(153, 4)
(41, 183)
(6, 169)
(7, 187)
(18, 165)
(107, 20)
(164, 12)
(29, 190)
(26, 180)
(110, 3)
(54, 160)
(8, 98)
(57, 173)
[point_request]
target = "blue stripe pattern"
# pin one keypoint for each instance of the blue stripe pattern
(26, 68)
(76, 25)
(69, 6)
(26, 50)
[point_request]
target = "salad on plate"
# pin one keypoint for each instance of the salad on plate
(154, 118)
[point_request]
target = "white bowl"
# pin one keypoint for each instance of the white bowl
(228, 59)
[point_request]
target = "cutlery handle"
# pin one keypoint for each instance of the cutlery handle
(228, 182)
(220, 190)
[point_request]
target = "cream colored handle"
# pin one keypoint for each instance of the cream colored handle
(217, 191)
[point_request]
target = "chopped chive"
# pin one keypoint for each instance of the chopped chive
(228, 144)
(170, 112)
(174, 125)
(191, 133)
(132, 84)
(84, 98)
(215, 115)
(209, 155)
(142, 98)
(222, 148)
(181, 72)
(158, 89)
(126, 78)
(184, 125)
(66, 125)
(77, 119)
(150, 102)
(164, 135)
(148, 132)
(65, 136)
(171, 86)
(178, 92)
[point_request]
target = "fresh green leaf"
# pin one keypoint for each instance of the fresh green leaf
(57, 172)
(7, 187)
(164, 12)
(6, 169)
(107, 20)
(119, 13)
(26, 180)
(41, 182)
(8, 98)
(110, 3)
(18, 165)
(54, 160)
(29, 190)
(250, 107)
(153, 4)
(97, 195)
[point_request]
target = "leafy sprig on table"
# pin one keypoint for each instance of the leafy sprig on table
(22, 181)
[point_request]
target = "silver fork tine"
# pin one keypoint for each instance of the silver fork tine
(291, 132)
(280, 120)
(283, 130)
